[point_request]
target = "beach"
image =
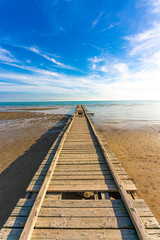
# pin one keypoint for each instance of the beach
(26, 137)
(138, 149)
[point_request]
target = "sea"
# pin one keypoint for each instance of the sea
(105, 112)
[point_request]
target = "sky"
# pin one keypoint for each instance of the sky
(79, 50)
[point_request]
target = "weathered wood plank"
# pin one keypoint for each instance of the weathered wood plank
(21, 211)
(83, 212)
(25, 202)
(65, 155)
(89, 234)
(74, 188)
(15, 222)
(76, 182)
(89, 177)
(84, 222)
(79, 211)
(81, 162)
(48, 202)
(84, 173)
(80, 167)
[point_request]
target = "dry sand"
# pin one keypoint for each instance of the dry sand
(25, 140)
(138, 150)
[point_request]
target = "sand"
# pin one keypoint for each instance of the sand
(138, 149)
(25, 140)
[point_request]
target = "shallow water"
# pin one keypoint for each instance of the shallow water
(135, 113)
(106, 112)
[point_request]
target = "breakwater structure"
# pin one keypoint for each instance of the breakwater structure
(81, 191)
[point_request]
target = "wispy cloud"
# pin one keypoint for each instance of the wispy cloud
(152, 5)
(112, 25)
(37, 51)
(95, 22)
(51, 59)
(145, 42)
(6, 56)
(32, 69)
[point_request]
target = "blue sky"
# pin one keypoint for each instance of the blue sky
(79, 50)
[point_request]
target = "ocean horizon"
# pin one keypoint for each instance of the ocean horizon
(88, 102)
(105, 111)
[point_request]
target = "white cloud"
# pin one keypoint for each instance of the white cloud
(152, 5)
(112, 25)
(40, 53)
(6, 56)
(145, 42)
(33, 69)
(95, 22)
(51, 59)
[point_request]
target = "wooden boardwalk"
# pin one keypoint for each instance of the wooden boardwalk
(81, 191)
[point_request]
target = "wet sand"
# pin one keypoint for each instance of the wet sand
(25, 140)
(34, 109)
(138, 149)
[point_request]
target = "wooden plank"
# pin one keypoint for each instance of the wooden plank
(76, 182)
(80, 162)
(21, 211)
(82, 212)
(76, 211)
(37, 180)
(96, 158)
(49, 202)
(79, 188)
(80, 147)
(84, 173)
(25, 202)
(89, 177)
(83, 181)
(83, 222)
(81, 156)
(74, 188)
(89, 234)
(16, 222)
(80, 167)
(92, 151)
